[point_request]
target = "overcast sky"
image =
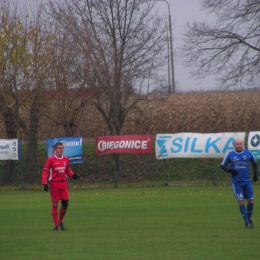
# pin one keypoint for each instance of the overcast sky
(183, 11)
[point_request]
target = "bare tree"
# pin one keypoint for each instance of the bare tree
(122, 45)
(70, 96)
(228, 48)
(24, 76)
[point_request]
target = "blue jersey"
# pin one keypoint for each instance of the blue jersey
(240, 163)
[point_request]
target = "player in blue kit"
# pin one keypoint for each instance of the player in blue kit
(240, 177)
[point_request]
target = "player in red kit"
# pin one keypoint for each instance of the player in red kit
(57, 169)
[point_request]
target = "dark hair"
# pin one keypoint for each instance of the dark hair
(58, 144)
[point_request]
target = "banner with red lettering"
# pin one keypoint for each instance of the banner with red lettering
(140, 144)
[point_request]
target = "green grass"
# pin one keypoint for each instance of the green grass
(129, 224)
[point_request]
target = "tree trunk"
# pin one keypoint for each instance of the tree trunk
(115, 167)
(11, 131)
(32, 136)
(69, 128)
(31, 159)
(116, 157)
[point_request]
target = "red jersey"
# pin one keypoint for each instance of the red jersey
(56, 169)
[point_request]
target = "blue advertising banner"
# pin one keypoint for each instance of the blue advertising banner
(72, 148)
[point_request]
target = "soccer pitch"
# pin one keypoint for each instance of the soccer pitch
(157, 223)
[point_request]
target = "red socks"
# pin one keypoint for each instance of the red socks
(62, 213)
(54, 211)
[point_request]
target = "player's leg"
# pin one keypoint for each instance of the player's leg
(54, 212)
(239, 194)
(64, 204)
(243, 211)
(249, 195)
(55, 197)
(63, 210)
(250, 207)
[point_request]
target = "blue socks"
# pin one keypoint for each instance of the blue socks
(243, 211)
(249, 211)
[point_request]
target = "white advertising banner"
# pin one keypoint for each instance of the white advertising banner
(195, 145)
(9, 149)
(253, 144)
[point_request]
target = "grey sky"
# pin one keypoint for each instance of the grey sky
(183, 11)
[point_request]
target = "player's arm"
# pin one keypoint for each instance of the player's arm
(226, 169)
(224, 165)
(71, 173)
(255, 167)
(45, 175)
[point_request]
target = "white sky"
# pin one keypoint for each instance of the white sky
(183, 11)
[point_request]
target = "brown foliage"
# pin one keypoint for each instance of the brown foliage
(201, 112)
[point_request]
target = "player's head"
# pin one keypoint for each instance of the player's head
(59, 149)
(238, 144)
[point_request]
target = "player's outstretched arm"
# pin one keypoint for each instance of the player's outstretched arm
(226, 169)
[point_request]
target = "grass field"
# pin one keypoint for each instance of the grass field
(130, 224)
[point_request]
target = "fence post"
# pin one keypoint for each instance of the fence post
(213, 171)
(115, 170)
(21, 169)
(165, 176)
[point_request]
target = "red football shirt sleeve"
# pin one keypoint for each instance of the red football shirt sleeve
(45, 172)
(70, 172)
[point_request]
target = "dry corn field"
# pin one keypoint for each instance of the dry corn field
(200, 112)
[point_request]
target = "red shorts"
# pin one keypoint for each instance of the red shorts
(59, 191)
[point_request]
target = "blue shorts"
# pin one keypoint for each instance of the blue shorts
(243, 190)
